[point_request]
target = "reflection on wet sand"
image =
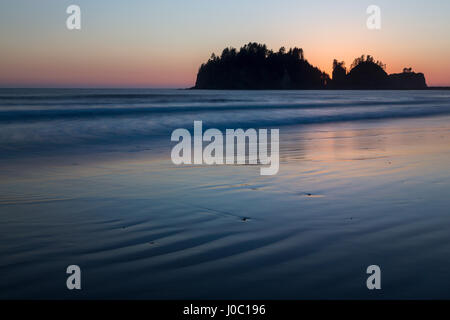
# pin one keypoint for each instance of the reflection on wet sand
(348, 195)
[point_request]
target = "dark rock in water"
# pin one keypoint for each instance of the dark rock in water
(244, 219)
(367, 75)
(254, 67)
(339, 75)
(407, 80)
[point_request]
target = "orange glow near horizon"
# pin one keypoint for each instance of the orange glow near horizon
(135, 71)
(162, 44)
(151, 68)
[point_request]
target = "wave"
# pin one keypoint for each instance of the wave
(429, 107)
(98, 124)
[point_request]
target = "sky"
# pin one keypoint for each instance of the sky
(162, 43)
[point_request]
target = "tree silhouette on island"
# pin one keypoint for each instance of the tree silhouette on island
(254, 67)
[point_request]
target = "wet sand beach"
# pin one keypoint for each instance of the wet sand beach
(350, 193)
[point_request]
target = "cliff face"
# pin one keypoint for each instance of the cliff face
(255, 67)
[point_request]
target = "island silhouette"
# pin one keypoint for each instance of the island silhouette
(254, 67)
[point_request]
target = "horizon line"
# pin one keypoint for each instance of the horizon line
(193, 88)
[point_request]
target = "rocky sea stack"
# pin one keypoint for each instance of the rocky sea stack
(254, 67)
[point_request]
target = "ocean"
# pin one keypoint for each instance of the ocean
(86, 179)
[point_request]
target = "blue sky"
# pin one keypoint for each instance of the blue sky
(162, 43)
